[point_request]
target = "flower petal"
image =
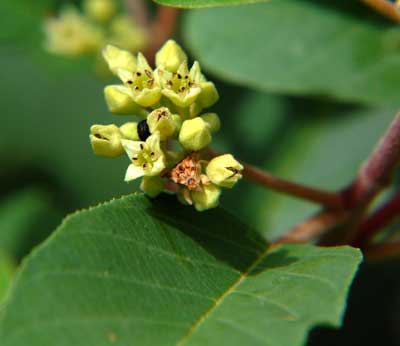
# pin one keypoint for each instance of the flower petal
(133, 172)
(154, 142)
(132, 148)
(158, 166)
(125, 75)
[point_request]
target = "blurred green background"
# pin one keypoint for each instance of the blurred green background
(306, 90)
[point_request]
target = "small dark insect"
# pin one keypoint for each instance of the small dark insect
(143, 130)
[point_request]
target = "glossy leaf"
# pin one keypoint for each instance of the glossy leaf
(153, 272)
(328, 48)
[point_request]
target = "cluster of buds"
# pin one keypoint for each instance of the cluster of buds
(167, 147)
(75, 33)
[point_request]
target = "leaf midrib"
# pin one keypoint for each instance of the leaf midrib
(196, 325)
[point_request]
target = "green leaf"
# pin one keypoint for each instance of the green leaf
(321, 151)
(300, 47)
(153, 272)
(7, 269)
(205, 3)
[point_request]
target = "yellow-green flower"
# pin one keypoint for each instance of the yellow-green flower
(147, 157)
(119, 59)
(195, 134)
(170, 56)
(72, 34)
(143, 82)
(206, 198)
(106, 140)
(209, 94)
(130, 131)
(100, 10)
(120, 101)
(164, 121)
(183, 86)
(224, 170)
(153, 185)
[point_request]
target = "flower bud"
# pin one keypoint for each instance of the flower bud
(106, 140)
(163, 121)
(100, 10)
(152, 185)
(195, 134)
(224, 170)
(119, 101)
(119, 59)
(209, 94)
(170, 56)
(206, 198)
(130, 131)
(212, 119)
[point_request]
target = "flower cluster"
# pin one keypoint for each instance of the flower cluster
(75, 33)
(168, 146)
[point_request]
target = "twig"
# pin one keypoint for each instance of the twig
(328, 199)
(378, 220)
(382, 251)
(384, 7)
(314, 227)
(162, 28)
(376, 173)
(139, 11)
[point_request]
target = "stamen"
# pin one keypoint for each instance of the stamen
(138, 74)
(148, 73)
(233, 170)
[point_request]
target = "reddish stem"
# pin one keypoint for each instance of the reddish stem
(138, 10)
(376, 173)
(382, 251)
(162, 28)
(328, 199)
(384, 7)
(314, 227)
(377, 221)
